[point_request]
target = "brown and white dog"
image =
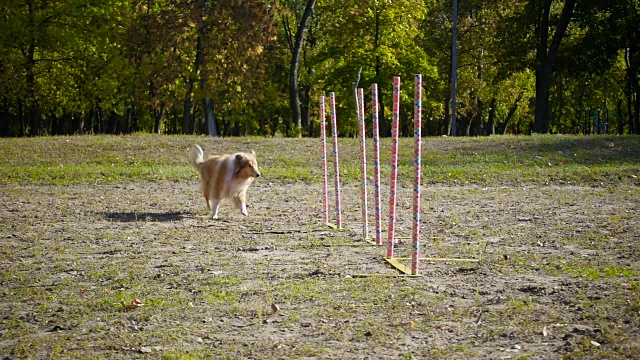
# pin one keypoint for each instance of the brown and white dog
(225, 177)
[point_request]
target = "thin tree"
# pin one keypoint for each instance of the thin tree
(294, 96)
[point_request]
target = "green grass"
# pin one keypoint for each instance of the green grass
(493, 160)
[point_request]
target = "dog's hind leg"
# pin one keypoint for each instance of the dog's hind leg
(215, 203)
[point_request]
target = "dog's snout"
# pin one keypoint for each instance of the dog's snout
(257, 174)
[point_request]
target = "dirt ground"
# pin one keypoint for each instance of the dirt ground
(557, 276)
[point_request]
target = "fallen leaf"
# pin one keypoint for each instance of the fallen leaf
(274, 308)
(133, 305)
(407, 324)
(595, 343)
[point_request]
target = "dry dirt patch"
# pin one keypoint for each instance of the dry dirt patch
(557, 276)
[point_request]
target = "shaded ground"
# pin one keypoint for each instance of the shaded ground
(558, 275)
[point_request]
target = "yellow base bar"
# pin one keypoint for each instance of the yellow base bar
(333, 226)
(372, 242)
(401, 267)
(438, 259)
(405, 270)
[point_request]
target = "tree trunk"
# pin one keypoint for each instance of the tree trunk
(5, 117)
(158, 109)
(56, 127)
(210, 116)
(469, 120)
(131, 121)
(116, 119)
(454, 69)
(207, 104)
(492, 117)
(23, 126)
(80, 129)
(447, 116)
(158, 114)
(294, 97)
(304, 110)
(577, 122)
(630, 108)
(512, 111)
(620, 122)
(383, 128)
(34, 112)
(101, 123)
(92, 122)
(636, 117)
(479, 118)
(307, 90)
(546, 58)
(188, 104)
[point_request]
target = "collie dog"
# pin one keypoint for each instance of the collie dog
(225, 177)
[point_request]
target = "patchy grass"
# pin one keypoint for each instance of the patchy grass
(92, 224)
(487, 161)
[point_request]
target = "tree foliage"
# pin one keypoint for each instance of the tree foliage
(118, 66)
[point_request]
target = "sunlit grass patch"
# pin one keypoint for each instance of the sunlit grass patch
(590, 269)
(488, 160)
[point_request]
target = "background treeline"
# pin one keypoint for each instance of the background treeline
(223, 67)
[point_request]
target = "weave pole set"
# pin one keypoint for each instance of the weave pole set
(415, 263)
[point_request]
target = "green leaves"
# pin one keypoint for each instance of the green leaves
(127, 65)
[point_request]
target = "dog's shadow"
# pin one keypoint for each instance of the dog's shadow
(134, 216)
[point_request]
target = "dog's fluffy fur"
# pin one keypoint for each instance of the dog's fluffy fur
(225, 177)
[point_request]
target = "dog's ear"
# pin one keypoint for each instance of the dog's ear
(239, 157)
(253, 152)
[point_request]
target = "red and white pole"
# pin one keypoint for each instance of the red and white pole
(394, 166)
(376, 161)
(336, 165)
(417, 154)
(363, 166)
(323, 137)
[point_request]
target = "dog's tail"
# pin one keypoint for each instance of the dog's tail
(197, 156)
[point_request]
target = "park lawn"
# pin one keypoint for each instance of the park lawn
(107, 251)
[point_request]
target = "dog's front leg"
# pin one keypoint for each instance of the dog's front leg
(214, 208)
(241, 202)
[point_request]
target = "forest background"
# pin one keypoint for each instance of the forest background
(259, 67)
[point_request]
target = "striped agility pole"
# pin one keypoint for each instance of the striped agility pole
(323, 137)
(336, 165)
(417, 152)
(363, 166)
(376, 161)
(394, 166)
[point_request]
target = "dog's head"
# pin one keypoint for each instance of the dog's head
(247, 166)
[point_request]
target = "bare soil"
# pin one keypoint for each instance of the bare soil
(557, 274)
